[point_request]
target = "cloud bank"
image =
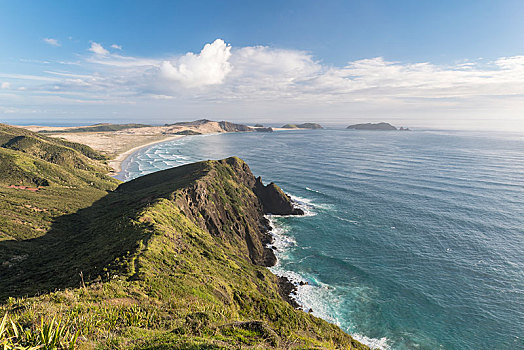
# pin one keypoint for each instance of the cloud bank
(262, 82)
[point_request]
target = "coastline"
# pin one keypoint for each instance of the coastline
(287, 287)
(290, 283)
(116, 163)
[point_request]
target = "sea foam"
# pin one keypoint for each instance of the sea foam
(311, 294)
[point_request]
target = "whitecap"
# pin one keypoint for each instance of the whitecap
(305, 204)
(373, 343)
(347, 220)
(312, 190)
(310, 293)
(309, 204)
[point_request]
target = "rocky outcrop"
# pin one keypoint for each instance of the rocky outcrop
(370, 126)
(188, 132)
(262, 129)
(274, 200)
(232, 127)
(224, 198)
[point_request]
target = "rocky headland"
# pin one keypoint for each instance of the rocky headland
(172, 260)
(117, 141)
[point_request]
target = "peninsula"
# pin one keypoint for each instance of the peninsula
(172, 260)
(118, 141)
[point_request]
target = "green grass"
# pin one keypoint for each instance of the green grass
(171, 260)
(70, 177)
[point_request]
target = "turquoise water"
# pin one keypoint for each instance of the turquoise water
(412, 240)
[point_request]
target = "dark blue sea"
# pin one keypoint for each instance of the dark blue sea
(412, 240)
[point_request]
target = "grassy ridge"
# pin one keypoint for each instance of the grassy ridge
(163, 262)
(69, 176)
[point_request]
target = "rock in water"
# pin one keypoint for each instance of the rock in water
(274, 200)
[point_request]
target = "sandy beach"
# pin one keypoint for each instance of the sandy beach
(118, 145)
(116, 163)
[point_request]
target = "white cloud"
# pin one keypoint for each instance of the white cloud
(52, 42)
(5, 85)
(116, 47)
(239, 81)
(98, 49)
(209, 67)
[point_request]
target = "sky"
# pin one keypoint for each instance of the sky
(428, 64)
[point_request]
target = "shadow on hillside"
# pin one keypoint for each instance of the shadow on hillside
(95, 243)
(85, 246)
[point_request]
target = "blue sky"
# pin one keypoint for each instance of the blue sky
(422, 63)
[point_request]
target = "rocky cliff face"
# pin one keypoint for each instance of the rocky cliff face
(234, 212)
(226, 200)
(171, 260)
(274, 200)
(232, 127)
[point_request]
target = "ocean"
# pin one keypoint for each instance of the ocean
(412, 240)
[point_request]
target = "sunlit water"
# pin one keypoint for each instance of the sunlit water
(414, 240)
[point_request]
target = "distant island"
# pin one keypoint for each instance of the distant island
(303, 126)
(376, 126)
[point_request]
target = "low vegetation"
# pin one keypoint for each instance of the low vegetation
(171, 260)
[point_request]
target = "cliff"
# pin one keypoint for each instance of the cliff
(172, 260)
(232, 127)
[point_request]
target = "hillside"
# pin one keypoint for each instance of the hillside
(113, 140)
(43, 178)
(172, 260)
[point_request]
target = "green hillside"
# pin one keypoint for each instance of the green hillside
(66, 176)
(171, 260)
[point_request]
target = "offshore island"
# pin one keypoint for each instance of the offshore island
(172, 260)
(376, 127)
